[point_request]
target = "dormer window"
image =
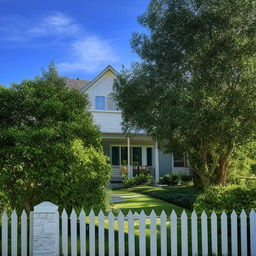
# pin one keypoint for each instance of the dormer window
(100, 103)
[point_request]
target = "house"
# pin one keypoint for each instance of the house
(132, 154)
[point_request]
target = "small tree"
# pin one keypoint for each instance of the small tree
(49, 147)
(195, 89)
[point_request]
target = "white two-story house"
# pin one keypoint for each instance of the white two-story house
(133, 154)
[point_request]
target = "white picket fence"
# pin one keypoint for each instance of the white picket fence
(198, 235)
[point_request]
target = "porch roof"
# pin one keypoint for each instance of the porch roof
(122, 136)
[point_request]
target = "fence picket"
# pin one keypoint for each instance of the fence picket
(14, 231)
(82, 220)
(204, 233)
(131, 245)
(31, 219)
(163, 220)
(4, 234)
(92, 233)
(174, 248)
(64, 232)
(101, 234)
(243, 222)
(153, 241)
(214, 233)
(234, 241)
(121, 250)
(194, 235)
(24, 232)
(253, 232)
(73, 220)
(184, 234)
(224, 234)
(142, 233)
(111, 234)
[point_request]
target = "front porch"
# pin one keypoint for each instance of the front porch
(118, 172)
(131, 155)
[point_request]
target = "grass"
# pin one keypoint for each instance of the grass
(183, 196)
(136, 202)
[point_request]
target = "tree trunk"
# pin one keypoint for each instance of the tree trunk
(222, 173)
(206, 171)
(222, 170)
(197, 179)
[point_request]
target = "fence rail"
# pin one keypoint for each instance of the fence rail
(140, 234)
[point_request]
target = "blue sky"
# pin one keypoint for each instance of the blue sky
(82, 37)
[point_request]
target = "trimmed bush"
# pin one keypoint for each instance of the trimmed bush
(229, 198)
(183, 196)
(175, 179)
(140, 179)
(183, 200)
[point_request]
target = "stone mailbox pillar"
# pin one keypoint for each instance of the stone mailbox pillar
(45, 237)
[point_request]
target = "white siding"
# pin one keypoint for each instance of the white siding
(108, 121)
(102, 87)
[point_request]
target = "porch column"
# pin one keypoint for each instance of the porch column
(129, 158)
(156, 163)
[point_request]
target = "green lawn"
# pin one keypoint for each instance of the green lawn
(136, 202)
(183, 196)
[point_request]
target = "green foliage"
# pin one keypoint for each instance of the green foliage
(183, 200)
(140, 179)
(228, 198)
(50, 150)
(195, 89)
(175, 179)
(243, 164)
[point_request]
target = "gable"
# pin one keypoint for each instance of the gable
(103, 86)
(109, 69)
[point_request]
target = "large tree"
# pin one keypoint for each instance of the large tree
(50, 150)
(195, 88)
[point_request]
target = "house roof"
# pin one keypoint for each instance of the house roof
(75, 83)
(93, 81)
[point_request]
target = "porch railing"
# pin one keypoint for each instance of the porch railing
(118, 172)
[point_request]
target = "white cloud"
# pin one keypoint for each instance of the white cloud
(55, 24)
(18, 28)
(89, 55)
(85, 52)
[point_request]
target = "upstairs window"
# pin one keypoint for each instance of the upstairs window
(100, 102)
(111, 104)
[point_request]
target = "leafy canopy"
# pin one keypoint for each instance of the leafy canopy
(49, 147)
(195, 88)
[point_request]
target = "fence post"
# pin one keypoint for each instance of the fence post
(45, 240)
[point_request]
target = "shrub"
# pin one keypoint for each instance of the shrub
(229, 198)
(170, 179)
(50, 148)
(184, 200)
(175, 179)
(183, 196)
(140, 179)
